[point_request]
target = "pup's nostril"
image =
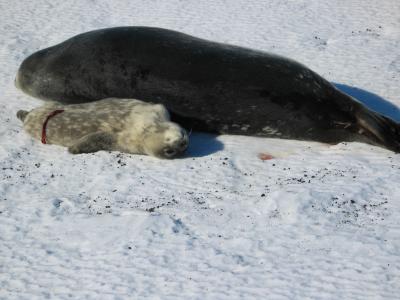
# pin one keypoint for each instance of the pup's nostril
(169, 152)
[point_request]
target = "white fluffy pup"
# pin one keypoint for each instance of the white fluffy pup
(112, 124)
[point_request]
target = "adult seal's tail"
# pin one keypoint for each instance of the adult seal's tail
(205, 85)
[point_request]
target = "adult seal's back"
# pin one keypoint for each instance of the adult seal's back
(206, 86)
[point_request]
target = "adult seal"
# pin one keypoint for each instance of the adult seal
(125, 125)
(207, 86)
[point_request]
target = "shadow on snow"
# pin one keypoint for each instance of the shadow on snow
(203, 144)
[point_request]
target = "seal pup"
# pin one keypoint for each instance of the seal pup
(125, 125)
(206, 86)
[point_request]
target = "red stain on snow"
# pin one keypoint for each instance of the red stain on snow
(265, 156)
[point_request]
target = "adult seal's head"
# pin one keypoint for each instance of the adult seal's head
(205, 85)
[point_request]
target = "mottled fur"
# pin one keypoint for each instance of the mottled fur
(125, 125)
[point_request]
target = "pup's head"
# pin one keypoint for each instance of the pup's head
(167, 140)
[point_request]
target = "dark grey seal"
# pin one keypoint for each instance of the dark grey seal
(207, 86)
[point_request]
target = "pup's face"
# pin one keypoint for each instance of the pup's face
(168, 141)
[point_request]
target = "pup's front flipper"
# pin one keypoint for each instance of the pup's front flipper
(93, 142)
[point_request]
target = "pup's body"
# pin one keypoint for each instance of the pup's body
(125, 125)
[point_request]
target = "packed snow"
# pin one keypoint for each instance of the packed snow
(315, 222)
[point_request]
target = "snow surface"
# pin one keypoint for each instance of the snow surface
(317, 222)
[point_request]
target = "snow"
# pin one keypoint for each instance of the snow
(316, 222)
